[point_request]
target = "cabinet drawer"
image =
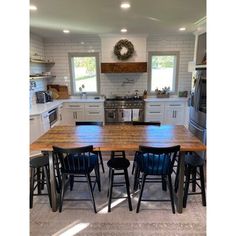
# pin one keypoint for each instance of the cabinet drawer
(174, 104)
(93, 115)
(94, 106)
(73, 105)
(154, 117)
(154, 106)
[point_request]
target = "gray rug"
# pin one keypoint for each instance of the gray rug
(154, 218)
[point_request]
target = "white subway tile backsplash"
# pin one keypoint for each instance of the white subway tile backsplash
(58, 49)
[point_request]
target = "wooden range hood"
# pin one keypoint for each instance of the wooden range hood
(124, 67)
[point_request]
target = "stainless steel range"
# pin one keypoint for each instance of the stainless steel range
(124, 109)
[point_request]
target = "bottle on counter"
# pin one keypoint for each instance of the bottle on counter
(144, 94)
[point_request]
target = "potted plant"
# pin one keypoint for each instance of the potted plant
(163, 93)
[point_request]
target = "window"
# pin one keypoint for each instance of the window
(163, 70)
(84, 73)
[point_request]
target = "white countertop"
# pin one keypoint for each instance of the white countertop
(38, 108)
(170, 99)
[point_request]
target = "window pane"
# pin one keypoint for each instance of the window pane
(163, 72)
(85, 73)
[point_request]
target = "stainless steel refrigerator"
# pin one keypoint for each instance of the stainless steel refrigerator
(198, 108)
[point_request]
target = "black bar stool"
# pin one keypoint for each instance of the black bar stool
(194, 166)
(116, 164)
(39, 174)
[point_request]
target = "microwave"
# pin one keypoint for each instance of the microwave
(43, 97)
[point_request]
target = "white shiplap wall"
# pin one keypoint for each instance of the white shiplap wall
(121, 84)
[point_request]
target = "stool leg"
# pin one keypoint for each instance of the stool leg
(136, 178)
(127, 188)
(46, 173)
(186, 187)
(101, 161)
(32, 172)
(194, 170)
(141, 193)
(39, 185)
(71, 179)
(202, 179)
(110, 188)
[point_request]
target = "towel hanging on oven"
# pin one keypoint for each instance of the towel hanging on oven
(135, 114)
(127, 114)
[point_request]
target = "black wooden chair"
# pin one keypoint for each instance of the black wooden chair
(98, 124)
(142, 123)
(153, 161)
(78, 162)
(39, 176)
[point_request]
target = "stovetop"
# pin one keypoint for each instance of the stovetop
(125, 98)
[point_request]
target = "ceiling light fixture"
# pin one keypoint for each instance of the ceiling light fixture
(66, 31)
(182, 29)
(123, 30)
(125, 5)
(33, 8)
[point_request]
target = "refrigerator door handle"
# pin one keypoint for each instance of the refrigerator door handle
(197, 127)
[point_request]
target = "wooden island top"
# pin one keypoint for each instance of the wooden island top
(118, 137)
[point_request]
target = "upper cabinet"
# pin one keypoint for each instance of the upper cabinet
(201, 57)
(200, 51)
(124, 67)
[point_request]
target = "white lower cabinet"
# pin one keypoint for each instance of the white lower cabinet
(73, 112)
(173, 113)
(35, 127)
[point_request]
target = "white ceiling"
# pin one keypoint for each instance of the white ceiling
(106, 17)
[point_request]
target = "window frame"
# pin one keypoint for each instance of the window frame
(176, 69)
(72, 81)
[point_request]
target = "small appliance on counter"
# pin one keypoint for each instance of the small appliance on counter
(43, 96)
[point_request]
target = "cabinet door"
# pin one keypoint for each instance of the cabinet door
(175, 116)
(35, 128)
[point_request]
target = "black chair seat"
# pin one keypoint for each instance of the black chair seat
(193, 160)
(118, 163)
(39, 162)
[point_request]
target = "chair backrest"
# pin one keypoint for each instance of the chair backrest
(75, 160)
(157, 161)
(146, 123)
(99, 123)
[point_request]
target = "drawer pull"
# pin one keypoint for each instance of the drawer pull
(158, 105)
(74, 106)
(154, 112)
(175, 105)
(94, 106)
(94, 112)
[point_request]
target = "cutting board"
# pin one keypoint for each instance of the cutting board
(58, 91)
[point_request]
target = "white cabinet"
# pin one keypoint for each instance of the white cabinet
(35, 127)
(154, 111)
(173, 113)
(45, 122)
(74, 111)
(94, 112)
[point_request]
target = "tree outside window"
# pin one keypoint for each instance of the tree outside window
(84, 73)
(163, 70)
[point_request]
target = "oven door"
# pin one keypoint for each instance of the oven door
(111, 116)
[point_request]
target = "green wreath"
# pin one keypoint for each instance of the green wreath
(126, 44)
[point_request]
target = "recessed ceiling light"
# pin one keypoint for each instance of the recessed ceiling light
(66, 31)
(33, 8)
(125, 5)
(123, 30)
(182, 29)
